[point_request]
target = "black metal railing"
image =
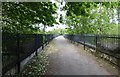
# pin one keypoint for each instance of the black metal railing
(107, 44)
(17, 47)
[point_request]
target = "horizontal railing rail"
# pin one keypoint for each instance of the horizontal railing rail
(17, 47)
(107, 44)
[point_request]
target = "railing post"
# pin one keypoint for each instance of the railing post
(96, 49)
(36, 44)
(96, 39)
(118, 59)
(84, 41)
(43, 39)
(119, 68)
(18, 53)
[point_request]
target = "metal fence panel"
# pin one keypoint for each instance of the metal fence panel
(17, 47)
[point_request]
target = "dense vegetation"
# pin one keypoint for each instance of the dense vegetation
(91, 17)
(25, 17)
(81, 17)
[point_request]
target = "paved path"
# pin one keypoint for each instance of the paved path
(68, 60)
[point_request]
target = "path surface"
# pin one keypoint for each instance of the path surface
(66, 59)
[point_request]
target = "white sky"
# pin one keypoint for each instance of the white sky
(59, 12)
(62, 26)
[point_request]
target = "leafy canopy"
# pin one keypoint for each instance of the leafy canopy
(19, 17)
(91, 17)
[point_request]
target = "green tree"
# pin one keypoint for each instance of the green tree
(19, 17)
(91, 17)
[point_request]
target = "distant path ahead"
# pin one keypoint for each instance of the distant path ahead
(67, 59)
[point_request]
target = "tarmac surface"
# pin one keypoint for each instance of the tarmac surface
(67, 59)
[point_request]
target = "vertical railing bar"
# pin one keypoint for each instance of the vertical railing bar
(96, 40)
(18, 53)
(36, 44)
(43, 38)
(84, 41)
